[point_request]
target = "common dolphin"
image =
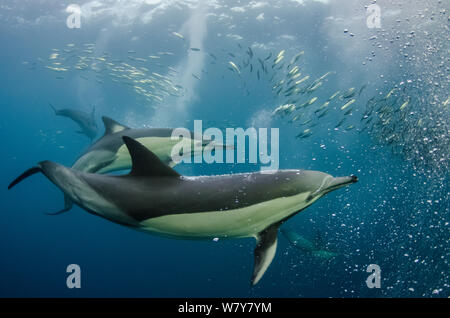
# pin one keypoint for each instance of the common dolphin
(315, 248)
(86, 121)
(109, 153)
(154, 198)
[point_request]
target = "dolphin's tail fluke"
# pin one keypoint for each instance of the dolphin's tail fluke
(25, 175)
(68, 203)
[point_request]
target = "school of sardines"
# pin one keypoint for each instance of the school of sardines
(395, 119)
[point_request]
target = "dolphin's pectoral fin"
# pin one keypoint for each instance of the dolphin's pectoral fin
(58, 212)
(68, 204)
(266, 246)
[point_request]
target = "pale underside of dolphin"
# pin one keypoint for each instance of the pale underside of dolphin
(85, 121)
(154, 198)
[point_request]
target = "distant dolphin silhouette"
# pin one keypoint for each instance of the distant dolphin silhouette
(315, 248)
(154, 198)
(85, 121)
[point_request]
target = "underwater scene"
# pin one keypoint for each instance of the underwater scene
(225, 148)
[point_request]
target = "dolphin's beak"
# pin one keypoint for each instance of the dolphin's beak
(224, 146)
(340, 182)
(331, 184)
(217, 145)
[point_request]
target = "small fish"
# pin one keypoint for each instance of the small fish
(361, 89)
(195, 76)
(306, 133)
(250, 52)
(278, 59)
(339, 124)
(302, 80)
(195, 49)
(348, 111)
(295, 58)
(348, 104)
(349, 94)
(306, 122)
(390, 93)
(324, 76)
(404, 105)
(324, 105)
(234, 66)
(364, 128)
(313, 88)
(323, 113)
(268, 57)
(296, 117)
(293, 70)
(286, 108)
(261, 62)
(178, 35)
(312, 101)
(446, 102)
(348, 128)
(334, 95)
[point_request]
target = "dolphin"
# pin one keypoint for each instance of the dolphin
(86, 121)
(315, 249)
(109, 153)
(154, 198)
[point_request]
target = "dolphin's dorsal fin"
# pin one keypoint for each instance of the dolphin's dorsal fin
(146, 163)
(266, 246)
(112, 126)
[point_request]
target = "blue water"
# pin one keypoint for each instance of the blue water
(396, 216)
